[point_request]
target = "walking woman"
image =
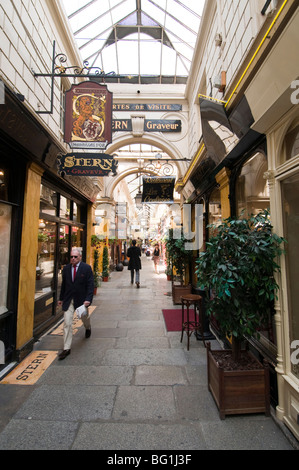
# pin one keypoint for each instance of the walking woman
(134, 254)
(156, 257)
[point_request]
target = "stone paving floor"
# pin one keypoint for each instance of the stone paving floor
(131, 386)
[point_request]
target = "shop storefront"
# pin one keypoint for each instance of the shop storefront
(284, 184)
(41, 216)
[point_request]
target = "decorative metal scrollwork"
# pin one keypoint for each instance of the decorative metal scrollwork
(165, 169)
(60, 69)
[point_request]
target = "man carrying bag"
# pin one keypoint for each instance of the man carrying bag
(76, 290)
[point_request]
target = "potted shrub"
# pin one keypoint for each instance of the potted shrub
(238, 269)
(105, 272)
(119, 266)
(96, 276)
(168, 272)
(179, 259)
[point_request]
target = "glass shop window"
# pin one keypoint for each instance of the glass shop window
(214, 210)
(290, 206)
(45, 264)
(76, 212)
(5, 230)
(3, 184)
(252, 191)
(48, 201)
(65, 208)
(65, 232)
(292, 143)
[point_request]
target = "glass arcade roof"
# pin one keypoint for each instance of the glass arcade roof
(142, 41)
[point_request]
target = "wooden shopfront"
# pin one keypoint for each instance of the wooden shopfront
(41, 215)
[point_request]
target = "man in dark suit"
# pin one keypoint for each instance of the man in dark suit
(134, 254)
(76, 290)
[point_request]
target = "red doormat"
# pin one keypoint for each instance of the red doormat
(173, 318)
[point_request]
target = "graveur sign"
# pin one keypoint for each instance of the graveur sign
(150, 125)
(87, 164)
(158, 189)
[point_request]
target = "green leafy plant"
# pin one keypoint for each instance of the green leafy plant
(96, 276)
(43, 237)
(105, 272)
(238, 269)
(177, 256)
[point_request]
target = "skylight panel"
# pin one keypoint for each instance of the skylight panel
(98, 29)
(150, 57)
(179, 30)
(109, 58)
(184, 16)
(169, 59)
(154, 12)
(128, 57)
(122, 10)
(72, 6)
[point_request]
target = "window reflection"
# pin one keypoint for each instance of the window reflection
(252, 192)
(76, 212)
(48, 201)
(214, 210)
(292, 143)
(65, 208)
(290, 202)
(3, 184)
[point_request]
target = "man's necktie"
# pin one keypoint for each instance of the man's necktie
(74, 275)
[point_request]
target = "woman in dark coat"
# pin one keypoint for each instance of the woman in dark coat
(134, 254)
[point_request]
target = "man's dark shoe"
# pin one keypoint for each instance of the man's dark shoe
(64, 353)
(87, 333)
(138, 284)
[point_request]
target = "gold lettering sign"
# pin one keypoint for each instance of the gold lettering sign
(87, 164)
(158, 189)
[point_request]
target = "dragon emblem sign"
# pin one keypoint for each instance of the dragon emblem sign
(88, 116)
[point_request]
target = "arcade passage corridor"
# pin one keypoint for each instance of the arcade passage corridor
(166, 130)
(132, 385)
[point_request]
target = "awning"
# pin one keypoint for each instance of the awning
(226, 137)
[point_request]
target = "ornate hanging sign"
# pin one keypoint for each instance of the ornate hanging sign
(87, 164)
(158, 189)
(88, 116)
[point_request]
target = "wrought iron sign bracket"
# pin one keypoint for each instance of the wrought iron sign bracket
(60, 70)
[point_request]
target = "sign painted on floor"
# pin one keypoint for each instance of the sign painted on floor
(76, 324)
(31, 368)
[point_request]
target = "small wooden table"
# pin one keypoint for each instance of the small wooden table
(190, 326)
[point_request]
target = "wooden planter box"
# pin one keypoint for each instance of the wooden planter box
(178, 291)
(238, 391)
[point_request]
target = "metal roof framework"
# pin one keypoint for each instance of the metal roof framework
(144, 41)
